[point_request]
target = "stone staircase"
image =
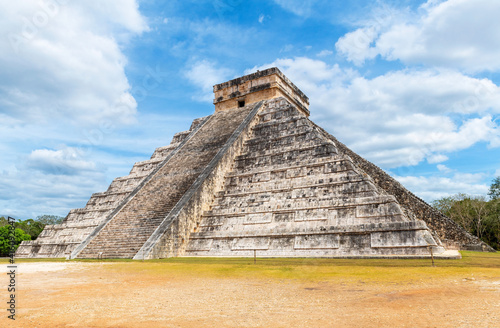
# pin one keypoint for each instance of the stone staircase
(125, 233)
(261, 177)
(60, 240)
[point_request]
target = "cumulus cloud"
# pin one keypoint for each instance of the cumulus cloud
(65, 161)
(436, 158)
(455, 34)
(324, 53)
(443, 168)
(400, 118)
(62, 60)
(431, 188)
(47, 194)
(205, 74)
(356, 45)
(63, 90)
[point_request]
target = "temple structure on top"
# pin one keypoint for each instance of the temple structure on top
(255, 176)
(262, 85)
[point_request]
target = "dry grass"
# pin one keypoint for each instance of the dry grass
(482, 265)
(234, 292)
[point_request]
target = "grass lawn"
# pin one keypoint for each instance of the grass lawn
(274, 292)
(483, 265)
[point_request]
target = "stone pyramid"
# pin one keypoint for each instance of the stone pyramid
(256, 176)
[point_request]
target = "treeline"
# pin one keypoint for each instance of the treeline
(24, 230)
(476, 214)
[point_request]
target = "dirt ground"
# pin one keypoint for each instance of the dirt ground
(125, 294)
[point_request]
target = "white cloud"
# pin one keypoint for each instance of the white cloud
(261, 18)
(64, 61)
(62, 83)
(204, 74)
(497, 173)
(431, 188)
(436, 158)
(443, 168)
(311, 74)
(298, 7)
(324, 53)
(455, 34)
(65, 161)
(46, 193)
(400, 118)
(356, 45)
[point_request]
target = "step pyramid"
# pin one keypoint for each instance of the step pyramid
(256, 177)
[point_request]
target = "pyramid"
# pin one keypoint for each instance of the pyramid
(256, 177)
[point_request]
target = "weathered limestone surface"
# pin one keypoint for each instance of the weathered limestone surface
(60, 240)
(256, 176)
(170, 238)
(262, 85)
(125, 233)
(293, 193)
(451, 234)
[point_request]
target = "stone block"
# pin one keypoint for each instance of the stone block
(317, 242)
(200, 245)
(404, 238)
(259, 243)
(261, 218)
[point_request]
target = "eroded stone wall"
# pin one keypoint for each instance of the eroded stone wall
(450, 233)
(292, 193)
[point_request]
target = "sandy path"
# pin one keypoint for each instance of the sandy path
(94, 295)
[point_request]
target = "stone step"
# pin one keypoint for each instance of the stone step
(301, 177)
(314, 147)
(279, 148)
(335, 161)
(271, 109)
(140, 217)
(265, 142)
(283, 123)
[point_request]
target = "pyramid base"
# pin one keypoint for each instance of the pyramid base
(446, 255)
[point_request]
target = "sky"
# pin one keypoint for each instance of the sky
(88, 88)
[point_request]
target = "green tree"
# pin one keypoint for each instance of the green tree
(494, 192)
(20, 235)
(476, 215)
(36, 226)
(31, 227)
(492, 231)
(445, 204)
(47, 219)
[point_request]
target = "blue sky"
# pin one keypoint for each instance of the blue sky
(87, 88)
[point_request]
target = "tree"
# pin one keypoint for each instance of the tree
(47, 219)
(36, 226)
(31, 227)
(493, 223)
(494, 192)
(479, 207)
(5, 246)
(444, 204)
(476, 215)
(461, 208)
